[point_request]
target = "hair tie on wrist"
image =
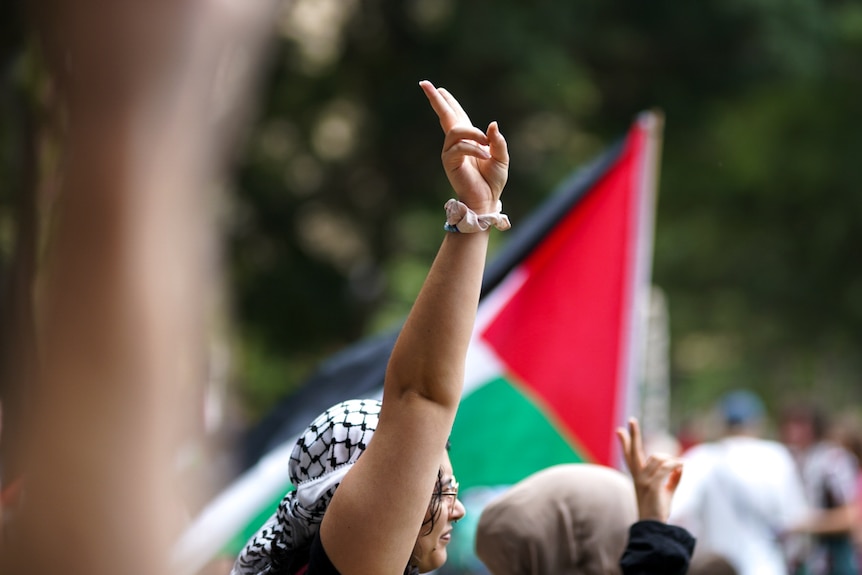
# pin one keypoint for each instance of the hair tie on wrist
(460, 218)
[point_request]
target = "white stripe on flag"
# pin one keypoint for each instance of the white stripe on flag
(231, 511)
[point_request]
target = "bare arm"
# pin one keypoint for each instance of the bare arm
(376, 514)
(120, 304)
(841, 519)
(840, 482)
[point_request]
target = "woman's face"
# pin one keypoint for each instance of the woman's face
(430, 550)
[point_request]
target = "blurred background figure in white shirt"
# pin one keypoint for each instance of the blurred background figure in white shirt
(740, 494)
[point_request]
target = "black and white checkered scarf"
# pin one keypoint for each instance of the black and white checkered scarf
(321, 458)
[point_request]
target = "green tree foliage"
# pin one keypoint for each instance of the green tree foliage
(335, 213)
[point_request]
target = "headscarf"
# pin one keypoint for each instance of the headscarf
(566, 520)
(323, 455)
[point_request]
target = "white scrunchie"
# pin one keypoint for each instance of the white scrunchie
(460, 218)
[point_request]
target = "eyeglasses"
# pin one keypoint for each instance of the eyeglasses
(450, 490)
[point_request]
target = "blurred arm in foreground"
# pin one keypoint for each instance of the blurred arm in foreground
(148, 121)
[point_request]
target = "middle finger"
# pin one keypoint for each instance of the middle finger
(448, 117)
(456, 106)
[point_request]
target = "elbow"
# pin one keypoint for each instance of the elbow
(437, 386)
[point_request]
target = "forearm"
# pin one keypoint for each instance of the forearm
(830, 521)
(118, 321)
(428, 358)
(123, 293)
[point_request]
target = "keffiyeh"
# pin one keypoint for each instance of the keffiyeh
(323, 455)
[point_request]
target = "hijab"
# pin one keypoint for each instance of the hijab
(568, 519)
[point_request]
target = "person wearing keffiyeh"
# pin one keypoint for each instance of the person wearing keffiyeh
(324, 453)
(392, 510)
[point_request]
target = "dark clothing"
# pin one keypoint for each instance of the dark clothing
(318, 560)
(657, 548)
(654, 548)
(319, 563)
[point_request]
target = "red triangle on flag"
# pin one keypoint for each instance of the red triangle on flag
(566, 333)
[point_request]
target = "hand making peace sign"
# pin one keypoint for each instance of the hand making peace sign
(476, 163)
(655, 477)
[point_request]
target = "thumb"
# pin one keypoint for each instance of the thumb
(499, 148)
(674, 478)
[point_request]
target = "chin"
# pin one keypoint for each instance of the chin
(434, 561)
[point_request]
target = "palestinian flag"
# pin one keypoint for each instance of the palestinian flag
(552, 368)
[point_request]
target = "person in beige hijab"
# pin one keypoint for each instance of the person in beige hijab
(586, 519)
(566, 519)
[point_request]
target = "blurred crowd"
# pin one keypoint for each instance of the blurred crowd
(762, 493)
(778, 505)
(767, 496)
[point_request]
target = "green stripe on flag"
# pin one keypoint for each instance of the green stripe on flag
(500, 436)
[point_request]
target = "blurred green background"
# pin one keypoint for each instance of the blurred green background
(335, 211)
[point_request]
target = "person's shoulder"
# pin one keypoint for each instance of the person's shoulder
(832, 457)
(775, 449)
(762, 444)
(774, 445)
(834, 451)
(700, 460)
(764, 451)
(700, 451)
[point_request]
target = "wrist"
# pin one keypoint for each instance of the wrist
(461, 219)
(482, 207)
(652, 514)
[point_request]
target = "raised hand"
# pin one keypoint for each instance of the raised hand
(655, 477)
(476, 163)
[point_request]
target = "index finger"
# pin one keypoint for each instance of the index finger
(637, 444)
(448, 117)
(625, 443)
(460, 113)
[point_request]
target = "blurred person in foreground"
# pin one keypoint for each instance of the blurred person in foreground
(146, 123)
(829, 474)
(586, 519)
(741, 493)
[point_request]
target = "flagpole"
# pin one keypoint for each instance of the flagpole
(651, 124)
(654, 413)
